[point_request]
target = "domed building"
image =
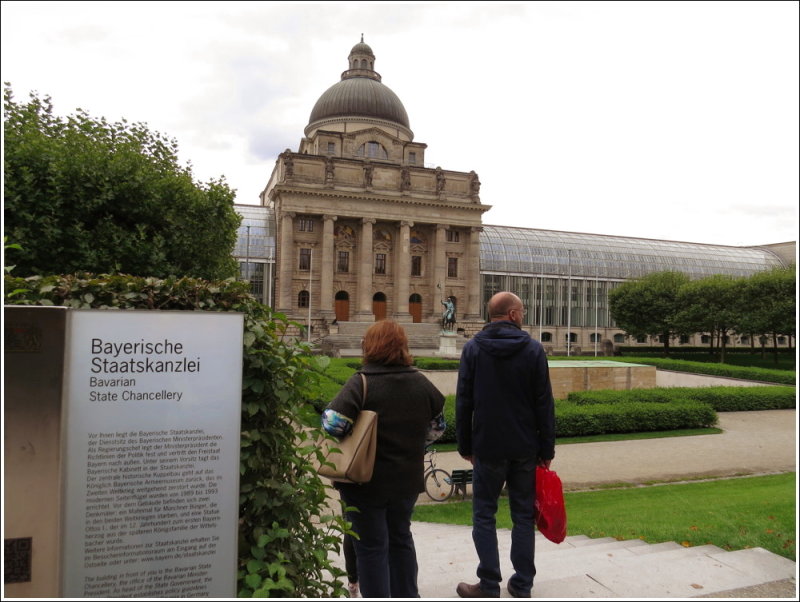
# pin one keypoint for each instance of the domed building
(364, 229)
(353, 227)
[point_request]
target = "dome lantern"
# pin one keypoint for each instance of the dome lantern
(361, 59)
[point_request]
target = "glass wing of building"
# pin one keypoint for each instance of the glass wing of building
(524, 251)
(255, 250)
(256, 237)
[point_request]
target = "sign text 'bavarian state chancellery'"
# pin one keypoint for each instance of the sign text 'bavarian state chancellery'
(355, 227)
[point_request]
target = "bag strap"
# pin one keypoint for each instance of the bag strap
(363, 390)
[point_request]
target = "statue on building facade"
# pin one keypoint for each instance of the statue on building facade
(288, 163)
(368, 175)
(474, 183)
(440, 180)
(405, 179)
(329, 169)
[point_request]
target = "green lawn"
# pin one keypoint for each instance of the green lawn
(730, 513)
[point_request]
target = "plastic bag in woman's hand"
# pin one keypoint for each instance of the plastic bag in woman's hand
(548, 509)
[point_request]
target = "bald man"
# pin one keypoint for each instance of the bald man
(505, 425)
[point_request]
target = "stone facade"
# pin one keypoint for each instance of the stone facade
(365, 230)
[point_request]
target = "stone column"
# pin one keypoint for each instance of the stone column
(364, 313)
(402, 278)
(326, 267)
(473, 268)
(439, 269)
(286, 269)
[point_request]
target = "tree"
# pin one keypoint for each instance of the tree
(649, 306)
(771, 302)
(83, 194)
(711, 305)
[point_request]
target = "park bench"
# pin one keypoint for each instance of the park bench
(461, 478)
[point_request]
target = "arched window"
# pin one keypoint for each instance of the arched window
(573, 338)
(619, 338)
(372, 150)
(302, 299)
(705, 339)
(641, 339)
(594, 338)
(415, 298)
(547, 337)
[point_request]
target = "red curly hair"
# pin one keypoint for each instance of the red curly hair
(386, 343)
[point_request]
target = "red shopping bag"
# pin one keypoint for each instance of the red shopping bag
(549, 510)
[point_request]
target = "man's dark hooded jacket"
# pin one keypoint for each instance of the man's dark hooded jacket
(504, 401)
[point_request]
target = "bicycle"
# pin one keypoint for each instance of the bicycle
(438, 482)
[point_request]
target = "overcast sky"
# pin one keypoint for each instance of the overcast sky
(674, 120)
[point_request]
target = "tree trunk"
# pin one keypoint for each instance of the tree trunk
(775, 347)
(666, 345)
(722, 346)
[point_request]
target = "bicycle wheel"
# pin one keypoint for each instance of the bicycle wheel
(438, 485)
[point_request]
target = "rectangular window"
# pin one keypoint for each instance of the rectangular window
(416, 265)
(305, 224)
(331, 148)
(412, 158)
(343, 261)
(452, 236)
(452, 267)
(305, 259)
(380, 263)
(254, 273)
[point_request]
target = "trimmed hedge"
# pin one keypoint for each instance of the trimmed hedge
(449, 435)
(722, 399)
(573, 420)
(784, 377)
(686, 350)
(427, 363)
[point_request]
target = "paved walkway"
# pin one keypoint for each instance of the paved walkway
(751, 443)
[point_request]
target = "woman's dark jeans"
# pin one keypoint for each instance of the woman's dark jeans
(488, 479)
(387, 559)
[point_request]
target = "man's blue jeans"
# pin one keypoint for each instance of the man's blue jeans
(385, 553)
(488, 478)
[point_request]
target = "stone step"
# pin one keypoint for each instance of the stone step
(583, 567)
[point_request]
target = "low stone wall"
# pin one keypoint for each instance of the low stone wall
(566, 377)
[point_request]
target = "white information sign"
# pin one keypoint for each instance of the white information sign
(152, 428)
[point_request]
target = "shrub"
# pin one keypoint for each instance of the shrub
(449, 435)
(722, 399)
(285, 531)
(784, 377)
(427, 363)
(629, 417)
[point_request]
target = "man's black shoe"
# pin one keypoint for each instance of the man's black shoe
(517, 593)
(464, 590)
